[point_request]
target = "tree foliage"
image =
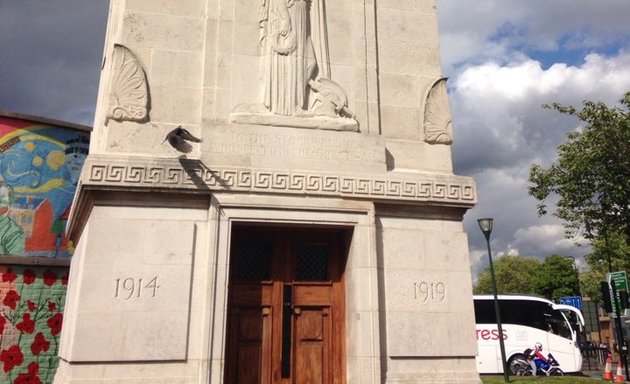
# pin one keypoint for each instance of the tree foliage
(590, 281)
(591, 175)
(556, 277)
(553, 278)
(608, 254)
(514, 274)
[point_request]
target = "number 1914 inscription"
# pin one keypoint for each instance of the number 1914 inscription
(129, 287)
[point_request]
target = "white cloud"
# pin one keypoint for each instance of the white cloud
(499, 107)
(599, 77)
(547, 239)
(501, 129)
(474, 31)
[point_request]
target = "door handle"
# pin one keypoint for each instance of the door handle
(287, 311)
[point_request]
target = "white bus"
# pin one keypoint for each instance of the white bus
(525, 320)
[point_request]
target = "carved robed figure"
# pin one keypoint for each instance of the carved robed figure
(295, 50)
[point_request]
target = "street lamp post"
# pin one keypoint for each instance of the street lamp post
(486, 228)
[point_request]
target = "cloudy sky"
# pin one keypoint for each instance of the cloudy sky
(504, 59)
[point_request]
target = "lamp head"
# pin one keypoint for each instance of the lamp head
(486, 226)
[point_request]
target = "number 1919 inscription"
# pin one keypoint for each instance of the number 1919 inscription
(130, 287)
(429, 291)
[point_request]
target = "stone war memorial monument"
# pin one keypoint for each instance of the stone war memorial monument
(269, 198)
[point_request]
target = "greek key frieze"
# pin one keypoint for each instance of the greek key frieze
(243, 180)
(378, 187)
(439, 190)
(297, 182)
(313, 183)
(330, 184)
(115, 173)
(425, 190)
(280, 181)
(409, 189)
(362, 187)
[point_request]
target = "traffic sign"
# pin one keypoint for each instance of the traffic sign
(574, 301)
(620, 281)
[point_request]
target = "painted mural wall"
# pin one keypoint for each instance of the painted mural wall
(31, 315)
(39, 170)
(40, 165)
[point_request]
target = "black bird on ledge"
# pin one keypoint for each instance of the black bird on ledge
(179, 137)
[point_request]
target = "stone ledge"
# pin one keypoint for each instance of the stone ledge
(314, 122)
(193, 175)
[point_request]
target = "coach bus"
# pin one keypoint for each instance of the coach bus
(525, 320)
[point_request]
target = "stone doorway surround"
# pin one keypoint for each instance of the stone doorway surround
(361, 288)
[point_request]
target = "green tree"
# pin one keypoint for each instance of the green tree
(591, 175)
(589, 281)
(612, 248)
(552, 278)
(556, 277)
(514, 274)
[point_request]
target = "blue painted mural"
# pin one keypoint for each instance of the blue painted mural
(39, 169)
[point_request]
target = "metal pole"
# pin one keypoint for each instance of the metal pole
(621, 344)
(498, 314)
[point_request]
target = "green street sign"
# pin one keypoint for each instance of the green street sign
(620, 281)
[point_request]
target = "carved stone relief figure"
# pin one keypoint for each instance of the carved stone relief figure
(437, 115)
(295, 70)
(128, 95)
(295, 50)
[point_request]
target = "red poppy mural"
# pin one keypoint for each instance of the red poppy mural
(40, 344)
(31, 317)
(29, 276)
(11, 299)
(30, 377)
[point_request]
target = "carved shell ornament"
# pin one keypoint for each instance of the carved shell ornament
(438, 128)
(128, 96)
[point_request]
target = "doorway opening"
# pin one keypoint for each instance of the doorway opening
(286, 305)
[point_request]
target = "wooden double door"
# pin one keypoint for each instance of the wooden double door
(286, 307)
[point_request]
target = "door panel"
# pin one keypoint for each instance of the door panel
(286, 307)
(312, 345)
(250, 347)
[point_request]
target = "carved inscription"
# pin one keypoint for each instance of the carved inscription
(315, 148)
(429, 291)
(131, 288)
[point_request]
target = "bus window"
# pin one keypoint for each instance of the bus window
(557, 324)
